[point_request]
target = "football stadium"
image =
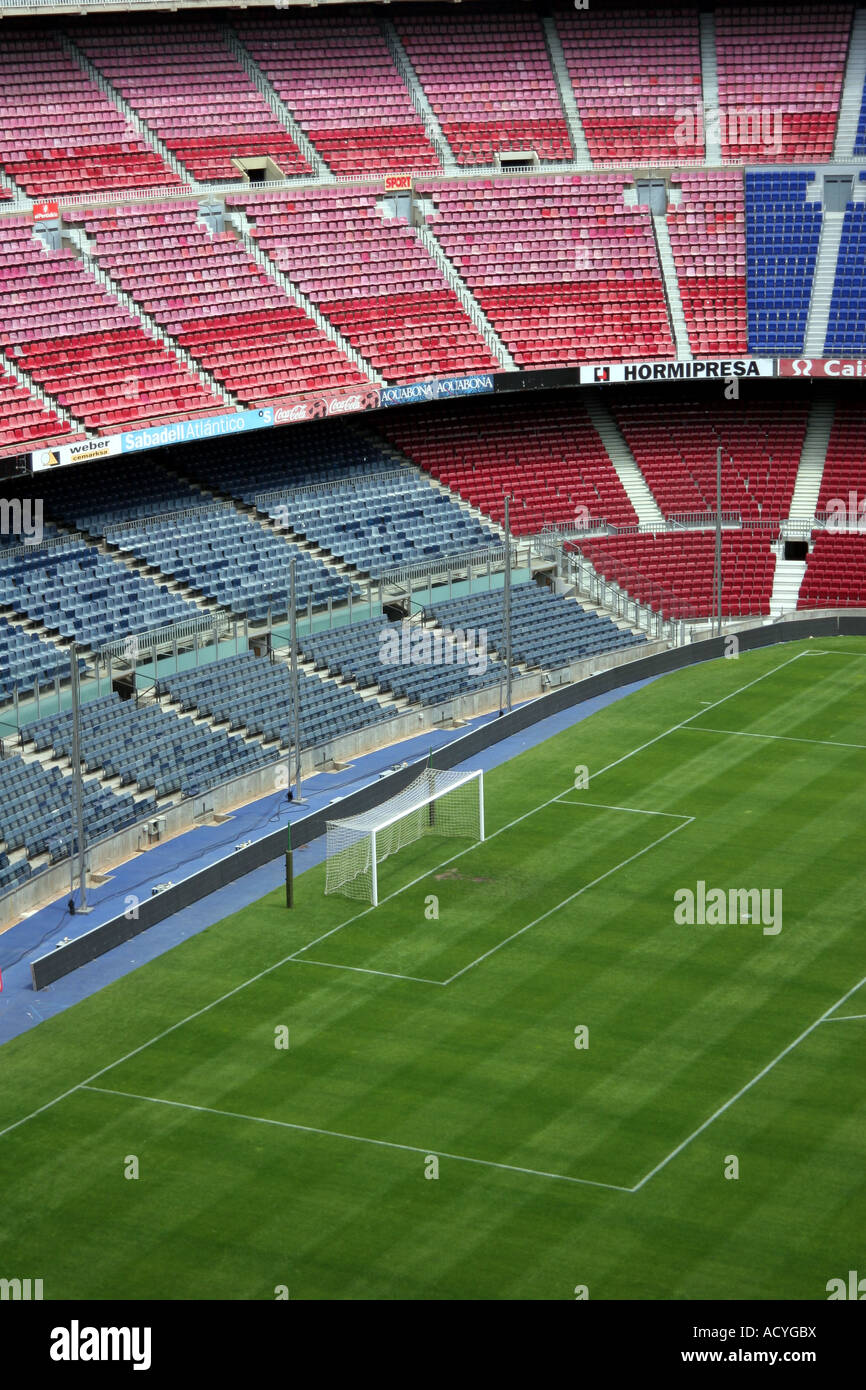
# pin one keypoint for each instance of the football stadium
(432, 580)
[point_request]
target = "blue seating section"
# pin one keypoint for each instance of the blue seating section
(116, 489)
(231, 558)
(782, 234)
(254, 693)
(25, 660)
(380, 526)
(37, 810)
(81, 594)
(846, 326)
(356, 653)
(860, 137)
(149, 747)
(546, 630)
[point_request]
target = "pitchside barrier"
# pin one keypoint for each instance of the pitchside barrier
(96, 942)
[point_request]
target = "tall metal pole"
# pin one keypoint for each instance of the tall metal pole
(506, 604)
(76, 781)
(717, 576)
(296, 712)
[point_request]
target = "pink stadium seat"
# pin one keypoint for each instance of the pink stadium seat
(708, 241)
(25, 423)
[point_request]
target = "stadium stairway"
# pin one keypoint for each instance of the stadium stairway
(804, 499)
(787, 578)
(566, 92)
(679, 330)
(710, 82)
(852, 89)
(623, 460)
(474, 312)
(420, 100)
(260, 80)
(822, 284)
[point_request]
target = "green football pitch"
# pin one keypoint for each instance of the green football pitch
(520, 1076)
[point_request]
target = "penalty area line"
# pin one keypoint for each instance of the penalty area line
(359, 1139)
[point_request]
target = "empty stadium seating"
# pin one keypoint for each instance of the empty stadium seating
(338, 79)
(780, 79)
(255, 694)
(193, 93)
(782, 235)
(220, 305)
(845, 462)
(87, 351)
(835, 572)
(58, 133)
(563, 268)
(147, 747)
(635, 77)
(26, 661)
(489, 81)
(846, 327)
(25, 420)
(544, 453)
(673, 574)
(675, 441)
(546, 630)
(708, 241)
(373, 280)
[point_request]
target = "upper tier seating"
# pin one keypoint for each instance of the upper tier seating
(219, 304)
(545, 453)
(337, 77)
(81, 345)
(673, 574)
(58, 133)
(846, 327)
(780, 74)
(193, 93)
(546, 630)
(635, 76)
(24, 419)
(373, 280)
(148, 747)
(255, 694)
(563, 268)
(782, 235)
(708, 240)
(835, 572)
(674, 441)
(489, 80)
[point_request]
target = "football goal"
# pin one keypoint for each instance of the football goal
(436, 803)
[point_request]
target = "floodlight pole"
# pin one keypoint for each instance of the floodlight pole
(296, 720)
(77, 790)
(506, 603)
(717, 572)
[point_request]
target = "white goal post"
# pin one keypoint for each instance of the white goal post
(436, 803)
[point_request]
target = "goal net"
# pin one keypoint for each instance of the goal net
(436, 803)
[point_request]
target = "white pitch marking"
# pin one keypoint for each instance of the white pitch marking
(749, 1084)
(565, 800)
(846, 1018)
(358, 1138)
(366, 970)
(782, 738)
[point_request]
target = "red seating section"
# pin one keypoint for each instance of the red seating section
(835, 572)
(219, 304)
(708, 240)
(845, 464)
(489, 80)
(193, 94)
(24, 420)
(780, 79)
(373, 280)
(635, 76)
(563, 268)
(58, 133)
(673, 574)
(674, 442)
(337, 77)
(546, 454)
(81, 345)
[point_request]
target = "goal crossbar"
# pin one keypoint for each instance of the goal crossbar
(356, 845)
